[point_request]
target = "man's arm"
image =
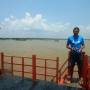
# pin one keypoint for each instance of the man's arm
(68, 46)
(83, 45)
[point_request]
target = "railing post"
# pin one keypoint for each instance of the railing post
(59, 77)
(12, 65)
(85, 70)
(88, 78)
(57, 69)
(22, 67)
(34, 67)
(83, 64)
(2, 62)
(45, 69)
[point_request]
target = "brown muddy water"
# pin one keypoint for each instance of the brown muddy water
(42, 48)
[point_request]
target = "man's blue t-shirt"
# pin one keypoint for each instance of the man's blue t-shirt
(75, 41)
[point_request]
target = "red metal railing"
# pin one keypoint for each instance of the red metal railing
(34, 60)
(63, 70)
(57, 76)
(86, 72)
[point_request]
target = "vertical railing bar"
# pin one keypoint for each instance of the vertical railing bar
(2, 62)
(45, 69)
(34, 67)
(85, 70)
(12, 66)
(59, 77)
(22, 67)
(57, 68)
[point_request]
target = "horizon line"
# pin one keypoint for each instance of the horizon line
(25, 38)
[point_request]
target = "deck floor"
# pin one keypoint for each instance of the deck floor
(7, 82)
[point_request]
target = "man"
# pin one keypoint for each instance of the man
(75, 43)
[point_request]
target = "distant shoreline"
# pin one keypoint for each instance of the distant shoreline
(31, 39)
(24, 39)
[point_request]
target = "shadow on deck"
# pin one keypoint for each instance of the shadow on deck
(7, 82)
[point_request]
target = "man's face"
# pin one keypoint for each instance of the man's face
(75, 32)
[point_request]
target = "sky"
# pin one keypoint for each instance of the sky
(44, 18)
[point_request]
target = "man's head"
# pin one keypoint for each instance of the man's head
(76, 31)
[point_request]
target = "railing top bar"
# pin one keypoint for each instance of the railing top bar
(17, 57)
(29, 57)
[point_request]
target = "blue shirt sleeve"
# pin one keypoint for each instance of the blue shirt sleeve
(68, 41)
(82, 41)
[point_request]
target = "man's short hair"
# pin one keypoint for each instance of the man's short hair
(76, 28)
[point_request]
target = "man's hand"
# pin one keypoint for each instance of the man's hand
(75, 49)
(80, 50)
(82, 47)
(68, 46)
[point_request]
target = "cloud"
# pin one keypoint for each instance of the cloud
(37, 26)
(85, 31)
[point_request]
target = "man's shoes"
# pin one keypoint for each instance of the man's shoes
(80, 81)
(67, 81)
